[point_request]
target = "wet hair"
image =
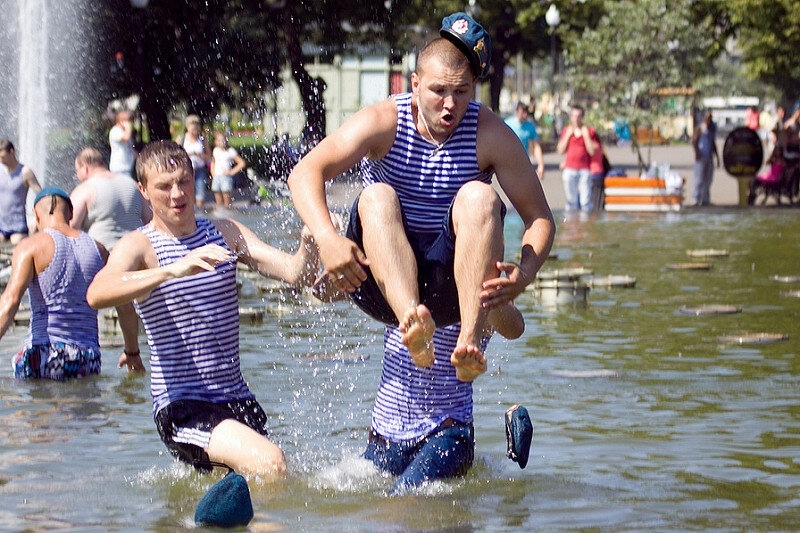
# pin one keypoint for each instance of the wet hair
(6, 145)
(161, 156)
(91, 157)
(446, 52)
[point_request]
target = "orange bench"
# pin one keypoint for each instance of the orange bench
(639, 194)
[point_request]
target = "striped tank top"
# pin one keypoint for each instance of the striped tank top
(412, 401)
(13, 195)
(59, 311)
(427, 180)
(192, 326)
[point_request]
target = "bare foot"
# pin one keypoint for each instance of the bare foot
(507, 321)
(469, 362)
(418, 327)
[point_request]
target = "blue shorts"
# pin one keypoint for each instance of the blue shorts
(200, 178)
(223, 183)
(185, 426)
(7, 234)
(447, 452)
(56, 361)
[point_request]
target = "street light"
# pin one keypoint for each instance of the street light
(553, 19)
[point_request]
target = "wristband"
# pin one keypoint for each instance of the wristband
(131, 354)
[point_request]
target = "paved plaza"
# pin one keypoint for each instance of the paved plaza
(724, 188)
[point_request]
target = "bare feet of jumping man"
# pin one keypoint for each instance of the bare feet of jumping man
(417, 327)
(469, 362)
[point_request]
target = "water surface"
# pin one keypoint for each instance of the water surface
(644, 419)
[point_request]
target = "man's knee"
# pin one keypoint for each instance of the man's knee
(377, 195)
(477, 201)
(378, 203)
(245, 450)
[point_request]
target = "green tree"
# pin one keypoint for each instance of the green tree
(172, 52)
(769, 36)
(640, 47)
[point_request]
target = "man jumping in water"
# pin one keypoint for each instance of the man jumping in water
(424, 247)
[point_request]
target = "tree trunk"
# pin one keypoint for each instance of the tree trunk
(311, 89)
(496, 81)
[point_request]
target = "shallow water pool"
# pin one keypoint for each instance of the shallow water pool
(644, 418)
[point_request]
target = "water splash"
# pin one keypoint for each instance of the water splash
(33, 118)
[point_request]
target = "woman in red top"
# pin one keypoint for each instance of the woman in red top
(577, 143)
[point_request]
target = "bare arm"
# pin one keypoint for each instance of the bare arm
(22, 271)
(238, 166)
(206, 154)
(538, 156)
(127, 130)
(132, 271)
(30, 180)
(80, 205)
(520, 183)
(129, 324)
(370, 132)
(588, 140)
(299, 268)
(563, 141)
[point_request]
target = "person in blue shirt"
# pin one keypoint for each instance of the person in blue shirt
(705, 151)
(525, 129)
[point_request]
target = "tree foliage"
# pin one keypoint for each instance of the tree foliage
(640, 47)
(205, 55)
(199, 54)
(769, 37)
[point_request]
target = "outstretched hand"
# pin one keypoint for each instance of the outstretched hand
(503, 289)
(204, 258)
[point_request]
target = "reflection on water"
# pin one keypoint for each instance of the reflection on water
(645, 417)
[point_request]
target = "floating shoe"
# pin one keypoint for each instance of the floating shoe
(519, 433)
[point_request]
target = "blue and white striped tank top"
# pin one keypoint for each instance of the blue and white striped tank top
(192, 326)
(13, 195)
(411, 401)
(59, 311)
(427, 182)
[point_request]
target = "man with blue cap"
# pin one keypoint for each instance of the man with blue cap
(423, 252)
(56, 265)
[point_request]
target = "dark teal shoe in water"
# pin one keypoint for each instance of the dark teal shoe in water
(519, 433)
(226, 504)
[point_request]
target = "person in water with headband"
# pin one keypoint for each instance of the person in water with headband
(55, 266)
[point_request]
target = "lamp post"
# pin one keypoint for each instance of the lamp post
(553, 19)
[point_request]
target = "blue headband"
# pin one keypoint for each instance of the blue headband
(52, 191)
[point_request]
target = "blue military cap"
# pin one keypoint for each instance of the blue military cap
(470, 37)
(226, 504)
